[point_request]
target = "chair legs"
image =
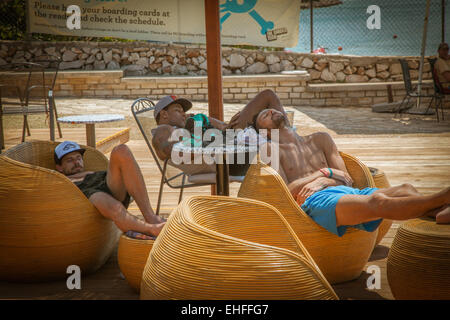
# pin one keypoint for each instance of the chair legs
(400, 107)
(161, 187)
(25, 127)
(182, 188)
(56, 118)
(431, 103)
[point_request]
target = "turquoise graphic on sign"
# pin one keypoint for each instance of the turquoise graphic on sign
(231, 6)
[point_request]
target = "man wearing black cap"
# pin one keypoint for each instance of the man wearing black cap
(110, 191)
(442, 67)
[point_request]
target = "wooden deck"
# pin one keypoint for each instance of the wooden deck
(420, 159)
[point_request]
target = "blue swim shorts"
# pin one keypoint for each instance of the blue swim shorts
(321, 207)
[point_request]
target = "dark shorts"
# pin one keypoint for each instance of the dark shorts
(96, 182)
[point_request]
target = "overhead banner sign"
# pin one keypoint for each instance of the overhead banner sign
(272, 23)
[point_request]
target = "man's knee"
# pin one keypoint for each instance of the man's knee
(376, 202)
(409, 187)
(406, 189)
(121, 152)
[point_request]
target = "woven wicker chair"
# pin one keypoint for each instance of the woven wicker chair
(46, 222)
(419, 261)
(226, 248)
(381, 181)
(132, 256)
(339, 258)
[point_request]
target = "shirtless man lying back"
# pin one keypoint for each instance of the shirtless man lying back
(317, 178)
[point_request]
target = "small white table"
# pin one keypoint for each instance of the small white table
(223, 151)
(90, 120)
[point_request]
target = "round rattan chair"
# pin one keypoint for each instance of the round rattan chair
(46, 222)
(381, 181)
(418, 265)
(132, 256)
(226, 248)
(339, 258)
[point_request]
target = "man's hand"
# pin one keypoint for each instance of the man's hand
(340, 175)
(311, 188)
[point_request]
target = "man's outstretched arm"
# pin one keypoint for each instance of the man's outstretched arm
(334, 159)
(266, 99)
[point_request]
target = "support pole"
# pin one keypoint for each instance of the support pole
(443, 20)
(311, 26)
(214, 61)
(422, 52)
(51, 108)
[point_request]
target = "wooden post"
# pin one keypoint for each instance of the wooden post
(443, 20)
(90, 135)
(311, 25)
(422, 51)
(51, 107)
(214, 61)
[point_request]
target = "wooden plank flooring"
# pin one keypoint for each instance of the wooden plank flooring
(420, 159)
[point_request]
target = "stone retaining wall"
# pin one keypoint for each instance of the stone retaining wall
(293, 90)
(144, 58)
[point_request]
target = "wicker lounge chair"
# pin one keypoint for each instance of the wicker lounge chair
(339, 258)
(222, 248)
(46, 222)
(419, 261)
(132, 256)
(381, 181)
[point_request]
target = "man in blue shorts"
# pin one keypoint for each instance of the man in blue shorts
(317, 178)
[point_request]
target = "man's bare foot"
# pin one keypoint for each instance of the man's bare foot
(447, 194)
(432, 213)
(154, 219)
(443, 216)
(154, 229)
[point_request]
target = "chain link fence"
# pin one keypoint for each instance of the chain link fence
(340, 28)
(401, 22)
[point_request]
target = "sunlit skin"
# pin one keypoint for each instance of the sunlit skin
(72, 166)
(174, 115)
(123, 176)
(302, 157)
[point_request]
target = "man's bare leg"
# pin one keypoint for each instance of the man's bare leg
(355, 209)
(403, 190)
(441, 214)
(114, 210)
(124, 175)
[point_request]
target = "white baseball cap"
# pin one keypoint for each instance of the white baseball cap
(66, 147)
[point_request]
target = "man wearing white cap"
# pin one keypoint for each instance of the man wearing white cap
(110, 191)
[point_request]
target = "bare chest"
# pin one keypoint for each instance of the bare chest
(301, 159)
